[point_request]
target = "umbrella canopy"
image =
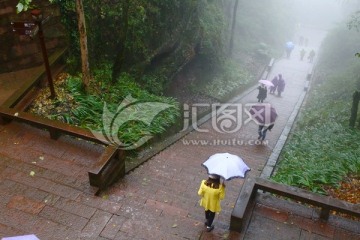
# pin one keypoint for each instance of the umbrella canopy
(263, 114)
(226, 165)
(290, 45)
(266, 82)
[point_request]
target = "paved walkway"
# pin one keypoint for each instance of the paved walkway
(45, 191)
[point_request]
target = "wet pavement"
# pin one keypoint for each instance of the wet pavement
(45, 190)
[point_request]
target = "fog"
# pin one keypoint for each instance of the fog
(321, 14)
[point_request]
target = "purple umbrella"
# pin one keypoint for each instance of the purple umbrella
(266, 82)
(263, 114)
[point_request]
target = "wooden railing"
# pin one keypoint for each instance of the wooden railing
(245, 201)
(108, 168)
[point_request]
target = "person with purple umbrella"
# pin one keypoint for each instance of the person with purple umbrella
(262, 131)
(264, 115)
(275, 83)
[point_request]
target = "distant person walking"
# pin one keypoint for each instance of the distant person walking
(281, 85)
(262, 93)
(301, 40)
(302, 54)
(311, 56)
(262, 131)
(288, 48)
(211, 192)
(275, 82)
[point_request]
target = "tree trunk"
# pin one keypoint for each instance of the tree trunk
(233, 27)
(83, 45)
(120, 56)
(354, 108)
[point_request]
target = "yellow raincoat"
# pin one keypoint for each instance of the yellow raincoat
(211, 197)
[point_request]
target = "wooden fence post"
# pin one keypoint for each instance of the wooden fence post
(354, 108)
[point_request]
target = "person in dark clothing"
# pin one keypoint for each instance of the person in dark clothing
(275, 82)
(262, 131)
(262, 93)
(311, 56)
(302, 54)
(281, 85)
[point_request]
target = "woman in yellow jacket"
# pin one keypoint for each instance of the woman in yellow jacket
(211, 192)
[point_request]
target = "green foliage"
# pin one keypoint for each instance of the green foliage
(213, 29)
(88, 112)
(354, 22)
(232, 77)
(346, 43)
(323, 150)
(154, 83)
(24, 5)
(322, 154)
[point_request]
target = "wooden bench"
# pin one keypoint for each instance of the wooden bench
(108, 169)
(244, 203)
(110, 166)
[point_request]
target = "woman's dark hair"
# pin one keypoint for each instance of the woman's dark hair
(213, 183)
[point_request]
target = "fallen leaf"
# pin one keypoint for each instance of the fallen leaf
(105, 197)
(174, 226)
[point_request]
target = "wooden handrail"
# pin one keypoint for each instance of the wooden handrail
(53, 126)
(324, 202)
(252, 185)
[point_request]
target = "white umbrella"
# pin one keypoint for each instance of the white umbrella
(226, 165)
(266, 82)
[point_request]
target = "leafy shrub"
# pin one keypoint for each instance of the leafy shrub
(232, 77)
(86, 109)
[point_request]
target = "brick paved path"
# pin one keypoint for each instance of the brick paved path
(45, 190)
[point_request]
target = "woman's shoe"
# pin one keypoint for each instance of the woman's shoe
(209, 229)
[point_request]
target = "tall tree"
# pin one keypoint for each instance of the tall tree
(85, 68)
